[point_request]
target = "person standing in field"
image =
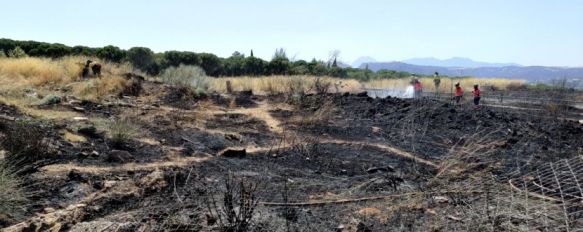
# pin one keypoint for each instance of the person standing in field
(418, 88)
(459, 93)
(476, 93)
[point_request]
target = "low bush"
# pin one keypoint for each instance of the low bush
(12, 194)
(121, 130)
(235, 213)
(25, 146)
(189, 76)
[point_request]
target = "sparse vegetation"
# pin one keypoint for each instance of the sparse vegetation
(187, 76)
(130, 153)
(25, 146)
(13, 196)
(121, 130)
(236, 210)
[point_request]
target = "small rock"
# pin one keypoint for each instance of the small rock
(94, 154)
(340, 228)
(362, 94)
(88, 130)
(361, 227)
(109, 183)
(380, 169)
(75, 175)
(6, 117)
(79, 109)
(82, 155)
(431, 211)
(74, 102)
(119, 156)
(454, 218)
(441, 199)
(80, 118)
(233, 153)
(49, 210)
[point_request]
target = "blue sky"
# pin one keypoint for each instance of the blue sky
(531, 32)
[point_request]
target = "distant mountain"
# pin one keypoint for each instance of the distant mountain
(460, 62)
(362, 60)
(343, 65)
(528, 73)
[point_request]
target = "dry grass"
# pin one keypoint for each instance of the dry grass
(100, 87)
(12, 195)
(22, 80)
(446, 84)
(281, 84)
(40, 71)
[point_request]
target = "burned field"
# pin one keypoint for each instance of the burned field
(325, 162)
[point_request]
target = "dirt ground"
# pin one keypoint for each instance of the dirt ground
(325, 162)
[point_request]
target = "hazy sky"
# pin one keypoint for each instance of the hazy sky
(529, 32)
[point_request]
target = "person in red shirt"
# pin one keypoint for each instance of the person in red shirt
(418, 88)
(459, 92)
(476, 93)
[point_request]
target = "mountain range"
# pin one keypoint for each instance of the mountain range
(458, 66)
(455, 62)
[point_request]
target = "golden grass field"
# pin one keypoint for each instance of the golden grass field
(43, 76)
(446, 84)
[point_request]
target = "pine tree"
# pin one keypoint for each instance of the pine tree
(251, 53)
(334, 64)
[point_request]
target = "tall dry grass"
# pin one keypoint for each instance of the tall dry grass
(40, 71)
(282, 84)
(447, 84)
(100, 87)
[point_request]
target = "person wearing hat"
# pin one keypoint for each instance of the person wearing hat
(459, 93)
(476, 94)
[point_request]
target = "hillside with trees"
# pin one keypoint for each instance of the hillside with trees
(238, 64)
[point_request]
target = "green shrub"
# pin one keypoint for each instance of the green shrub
(2, 54)
(51, 99)
(187, 76)
(17, 52)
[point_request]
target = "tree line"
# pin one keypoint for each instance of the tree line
(238, 64)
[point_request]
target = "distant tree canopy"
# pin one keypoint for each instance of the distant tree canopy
(110, 53)
(235, 65)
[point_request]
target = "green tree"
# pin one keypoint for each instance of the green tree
(254, 66)
(175, 58)
(234, 65)
(279, 64)
(17, 52)
(140, 57)
(83, 50)
(111, 53)
(210, 63)
(57, 50)
(317, 68)
(299, 67)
